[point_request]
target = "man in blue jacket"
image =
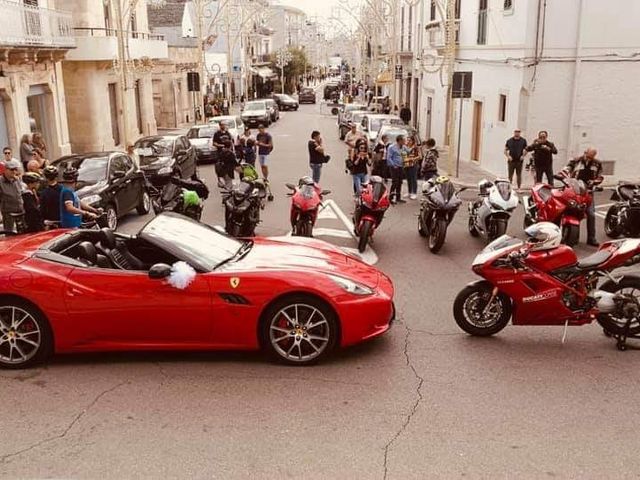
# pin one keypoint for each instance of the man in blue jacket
(395, 160)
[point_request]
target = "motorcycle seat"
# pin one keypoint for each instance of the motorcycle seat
(594, 260)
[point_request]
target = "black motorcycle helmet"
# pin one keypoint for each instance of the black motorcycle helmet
(31, 177)
(50, 172)
(70, 175)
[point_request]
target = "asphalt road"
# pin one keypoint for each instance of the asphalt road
(424, 401)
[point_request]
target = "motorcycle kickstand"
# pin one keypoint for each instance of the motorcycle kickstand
(621, 340)
(564, 333)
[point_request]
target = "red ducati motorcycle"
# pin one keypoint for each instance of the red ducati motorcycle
(550, 286)
(370, 208)
(565, 206)
(306, 199)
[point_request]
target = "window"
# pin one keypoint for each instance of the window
(432, 13)
(508, 4)
(502, 108)
(482, 23)
(128, 163)
(117, 165)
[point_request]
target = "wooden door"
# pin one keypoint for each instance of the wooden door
(476, 132)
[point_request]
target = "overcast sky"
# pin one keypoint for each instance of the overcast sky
(316, 7)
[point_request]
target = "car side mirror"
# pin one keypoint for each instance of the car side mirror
(325, 192)
(159, 271)
(118, 174)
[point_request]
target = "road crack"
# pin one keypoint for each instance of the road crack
(414, 406)
(6, 458)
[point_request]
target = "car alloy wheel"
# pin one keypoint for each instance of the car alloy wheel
(20, 336)
(145, 204)
(112, 217)
(300, 331)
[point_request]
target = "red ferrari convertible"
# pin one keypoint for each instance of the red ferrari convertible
(182, 285)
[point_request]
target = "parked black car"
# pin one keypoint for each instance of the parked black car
(307, 95)
(272, 108)
(331, 90)
(200, 136)
(285, 102)
(161, 155)
(111, 181)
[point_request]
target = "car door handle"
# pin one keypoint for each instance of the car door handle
(73, 292)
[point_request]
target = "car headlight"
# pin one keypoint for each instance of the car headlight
(351, 286)
(165, 170)
(92, 199)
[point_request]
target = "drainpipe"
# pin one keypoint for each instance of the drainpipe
(576, 79)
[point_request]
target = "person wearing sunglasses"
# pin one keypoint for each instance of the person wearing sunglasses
(10, 194)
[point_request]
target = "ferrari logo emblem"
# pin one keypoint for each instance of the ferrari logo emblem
(234, 281)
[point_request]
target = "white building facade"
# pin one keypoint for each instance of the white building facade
(570, 67)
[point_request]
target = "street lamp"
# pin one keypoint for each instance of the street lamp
(283, 57)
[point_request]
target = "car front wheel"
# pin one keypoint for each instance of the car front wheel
(299, 330)
(145, 203)
(25, 335)
(112, 217)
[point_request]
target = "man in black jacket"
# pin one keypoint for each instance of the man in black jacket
(405, 114)
(543, 151)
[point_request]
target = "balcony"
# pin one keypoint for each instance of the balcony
(101, 44)
(436, 34)
(28, 30)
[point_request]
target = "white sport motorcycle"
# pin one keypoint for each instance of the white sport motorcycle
(489, 215)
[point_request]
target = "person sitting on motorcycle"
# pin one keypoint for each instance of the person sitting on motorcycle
(50, 195)
(227, 163)
(71, 208)
(31, 202)
(588, 169)
(250, 151)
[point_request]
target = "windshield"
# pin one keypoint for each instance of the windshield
(502, 242)
(90, 170)
(393, 134)
(229, 122)
(255, 106)
(155, 146)
(204, 132)
(504, 188)
(196, 243)
(577, 186)
(357, 117)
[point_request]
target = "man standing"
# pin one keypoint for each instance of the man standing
(50, 196)
(405, 114)
(317, 156)
(588, 169)
(515, 152)
(265, 147)
(71, 208)
(395, 161)
(350, 139)
(222, 136)
(10, 194)
(543, 151)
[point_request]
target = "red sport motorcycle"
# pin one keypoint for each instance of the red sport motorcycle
(370, 207)
(552, 287)
(306, 199)
(565, 206)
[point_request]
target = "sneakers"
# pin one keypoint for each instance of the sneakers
(401, 201)
(405, 195)
(413, 196)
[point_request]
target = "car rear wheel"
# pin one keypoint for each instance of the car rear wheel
(112, 217)
(299, 330)
(25, 335)
(145, 203)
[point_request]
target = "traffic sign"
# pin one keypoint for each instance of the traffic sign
(399, 72)
(462, 83)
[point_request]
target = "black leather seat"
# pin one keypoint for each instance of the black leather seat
(86, 252)
(118, 254)
(594, 260)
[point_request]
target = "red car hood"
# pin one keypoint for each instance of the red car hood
(296, 253)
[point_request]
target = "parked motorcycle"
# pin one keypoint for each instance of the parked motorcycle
(181, 196)
(438, 205)
(551, 286)
(370, 207)
(565, 206)
(306, 199)
(242, 204)
(489, 215)
(623, 217)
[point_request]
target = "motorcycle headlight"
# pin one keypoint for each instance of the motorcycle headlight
(496, 206)
(92, 199)
(350, 286)
(165, 170)
(572, 203)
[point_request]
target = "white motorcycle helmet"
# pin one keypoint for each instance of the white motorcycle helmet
(543, 236)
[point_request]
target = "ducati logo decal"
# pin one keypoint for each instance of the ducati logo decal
(541, 296)
(234, 282)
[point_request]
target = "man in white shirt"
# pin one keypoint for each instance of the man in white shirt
(350, 139)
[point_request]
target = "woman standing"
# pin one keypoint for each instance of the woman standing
(359, 168)
(37, 141)
(411, 168)
(26, 150)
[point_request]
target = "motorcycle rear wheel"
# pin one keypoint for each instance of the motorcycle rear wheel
(612, 227)
(472, 228)
(365, 233)
(611, 323)
(437, 235)
(570, 234)
(470, 303)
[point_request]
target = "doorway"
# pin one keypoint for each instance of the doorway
(40, 108)
(113, 109)
(427, 122)
(476, 131)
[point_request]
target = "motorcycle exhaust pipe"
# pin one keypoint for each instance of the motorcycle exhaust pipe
(605, 301)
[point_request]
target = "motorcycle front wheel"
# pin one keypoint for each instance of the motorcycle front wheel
(304, 229)
(422, 229)
(472, 228)
(612, 227)
(497, 228)
(365, 233)
(570, 234)
(475, 315)
(437, 234)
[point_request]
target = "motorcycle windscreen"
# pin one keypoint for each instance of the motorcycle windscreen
(447, 190)
(307, 191)
(577, 186)
(504, 189)
(377, 191)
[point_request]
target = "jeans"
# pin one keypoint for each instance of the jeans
(316, 170)
(591, 221)
(396, 183)
(412, 179)
(544, 170)
(515, 166)
(358, 180)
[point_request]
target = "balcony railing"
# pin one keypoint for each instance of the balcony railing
(112, 32)
(436, 35)
(29, 26)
